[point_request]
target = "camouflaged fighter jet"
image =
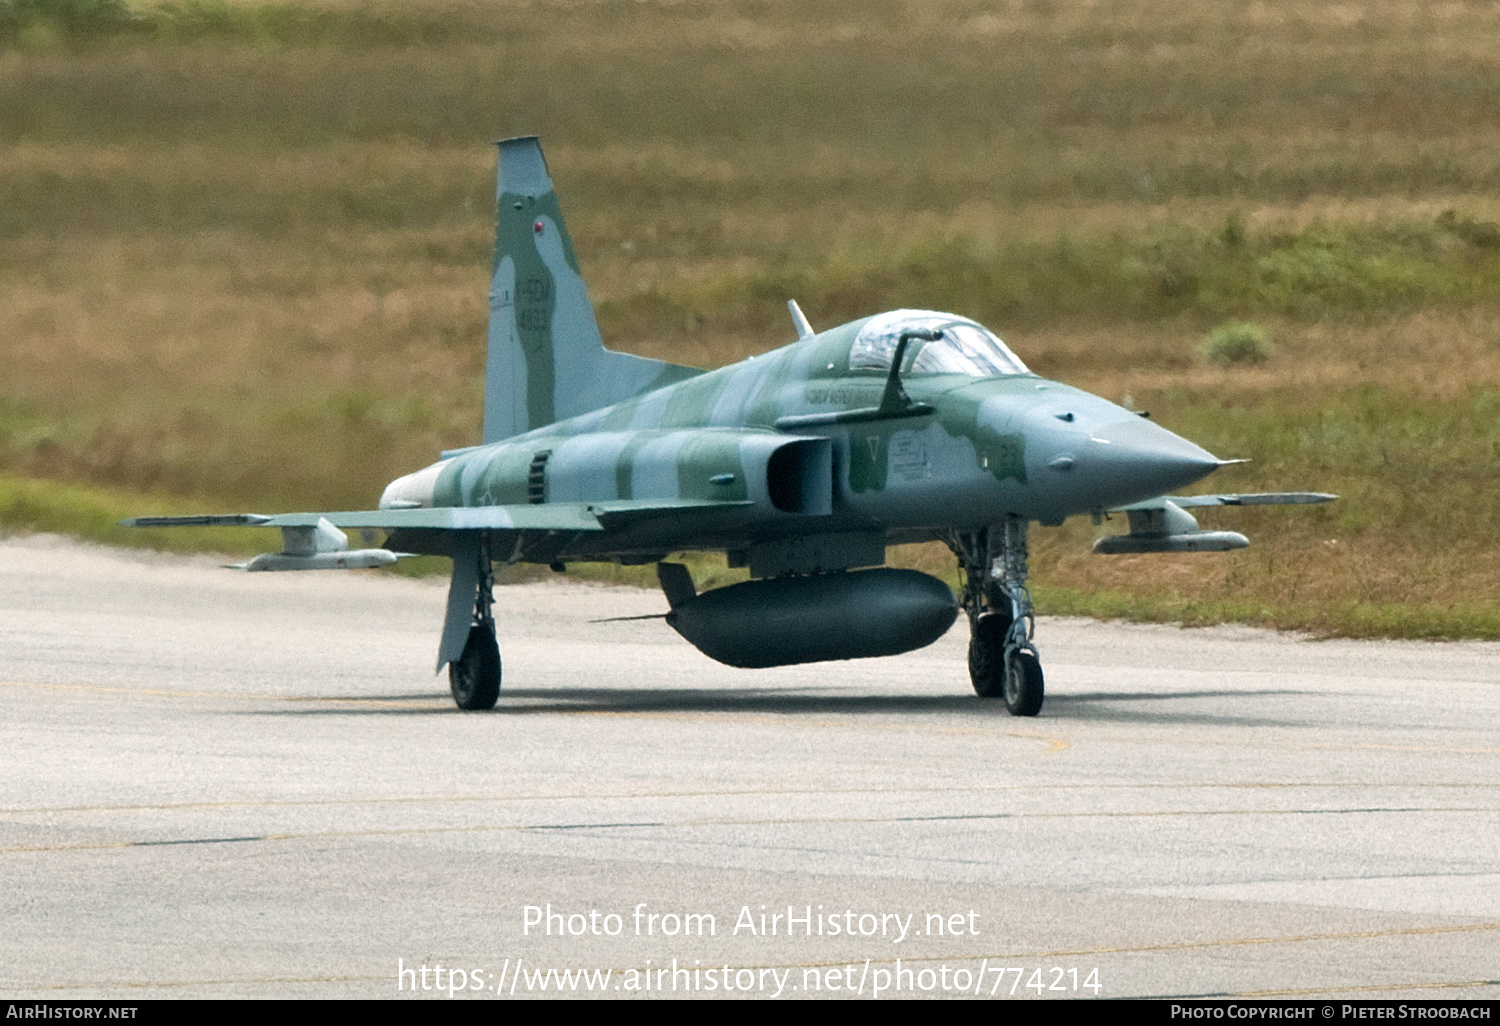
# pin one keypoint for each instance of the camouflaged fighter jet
(801, 464)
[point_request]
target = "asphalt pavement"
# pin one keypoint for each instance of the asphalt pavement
(220, 784)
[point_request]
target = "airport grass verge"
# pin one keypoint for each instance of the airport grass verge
(91, 513)
(267, 291)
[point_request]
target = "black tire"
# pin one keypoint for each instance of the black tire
(987, 654)
(1023, 691)
(475, 676)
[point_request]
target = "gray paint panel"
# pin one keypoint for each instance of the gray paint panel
(744, 382)
(523, 168)
(654, 473)
(579, 384)
(648, 413)
(505, 366)
(584, 468)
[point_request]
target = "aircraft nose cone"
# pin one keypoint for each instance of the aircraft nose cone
(1135, 459)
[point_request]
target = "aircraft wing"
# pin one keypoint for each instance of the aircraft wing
(558, 516)
(551, 516)
(315, 541)
(1251, 499)
(1163, 524)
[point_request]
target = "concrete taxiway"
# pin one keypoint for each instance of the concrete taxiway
(222, 784)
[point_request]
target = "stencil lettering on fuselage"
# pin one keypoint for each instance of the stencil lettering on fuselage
(847, 396)
(909, 460)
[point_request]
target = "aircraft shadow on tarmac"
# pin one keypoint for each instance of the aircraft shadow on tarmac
(1100, 706)
(1149, 706)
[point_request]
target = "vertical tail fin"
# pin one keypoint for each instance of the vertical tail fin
(546, 359)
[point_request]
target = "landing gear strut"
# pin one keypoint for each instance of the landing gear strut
(1003, 663)
(474, 676)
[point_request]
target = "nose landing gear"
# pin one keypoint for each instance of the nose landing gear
(1003, 662)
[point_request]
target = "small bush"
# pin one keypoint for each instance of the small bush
(1237, 342)
(1479, 234)
(29, 22)
(71, 19)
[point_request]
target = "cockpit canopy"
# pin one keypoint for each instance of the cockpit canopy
(964, 348)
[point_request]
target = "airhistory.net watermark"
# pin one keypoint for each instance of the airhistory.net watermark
(855, 979)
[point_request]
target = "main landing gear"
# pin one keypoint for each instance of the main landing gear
(474, 676)
(1003, 663)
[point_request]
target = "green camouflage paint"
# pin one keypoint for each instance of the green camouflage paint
(625, 466)
(535, 291)
(868, 451)
(707, 456)
(1002, 454)
(691, 402)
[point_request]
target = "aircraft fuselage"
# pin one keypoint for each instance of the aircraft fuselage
(763, 434)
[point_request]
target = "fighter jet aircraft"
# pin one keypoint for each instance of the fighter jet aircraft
(801, 464)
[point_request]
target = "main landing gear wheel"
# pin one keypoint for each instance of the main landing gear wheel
(987, 654)
(1023, 685)
(475, 676)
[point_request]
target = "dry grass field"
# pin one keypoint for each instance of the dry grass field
(244, 247)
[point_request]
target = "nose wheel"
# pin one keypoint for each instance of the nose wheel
(1023, 684)
(1003, 662)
